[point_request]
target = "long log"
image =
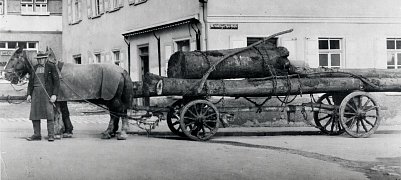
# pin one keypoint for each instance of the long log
(154, 85)
(367, 73)
(4, 98)
(261, 61)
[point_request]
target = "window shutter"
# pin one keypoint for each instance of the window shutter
(237, 41)
(101, 6)
(89, 8)
(380, 53)
(350, 49)
(93, 2)
(107, 5)
(122, 56)
(291, 45)
(120, 3)
(79, 9)
(192, 45)
(69, 11)
(312, 52)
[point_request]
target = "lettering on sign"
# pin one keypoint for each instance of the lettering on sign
(224, 26)
(6, 53)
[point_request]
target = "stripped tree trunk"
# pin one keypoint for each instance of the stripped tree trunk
(154, 85)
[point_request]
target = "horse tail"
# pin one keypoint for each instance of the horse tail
(127, 95)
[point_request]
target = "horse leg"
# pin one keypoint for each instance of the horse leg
(124, 127)
(111, 128)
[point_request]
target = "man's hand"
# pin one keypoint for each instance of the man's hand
(53, 98)
(28, 98)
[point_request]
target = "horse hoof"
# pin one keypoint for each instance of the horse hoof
(122, 136)
(105, 136)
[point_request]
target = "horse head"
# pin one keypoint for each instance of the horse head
(17, 66)
(51, 56)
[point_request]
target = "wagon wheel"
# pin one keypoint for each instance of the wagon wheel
(360, 114)
(329, 123)
(173, 118)
(199, 120)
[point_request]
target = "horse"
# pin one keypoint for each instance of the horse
(100, 84)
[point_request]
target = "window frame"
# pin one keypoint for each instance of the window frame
(329, 51)
(2, 7)
(98, 55)
(396, 52)
(176, 41)
(17, 45)
(34, 10)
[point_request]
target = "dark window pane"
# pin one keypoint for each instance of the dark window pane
(334, 44)
(390, 59)
(390, 44)
(22, 44)
(77, 60)
(398, 58)
(251, 40)
(390, 67)
(323, 60)
(12, 45)
(2, 44)
(398, 44)
(335, 60)
(32, 45)
(323, 44)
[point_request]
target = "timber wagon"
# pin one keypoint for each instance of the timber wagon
(263, 70)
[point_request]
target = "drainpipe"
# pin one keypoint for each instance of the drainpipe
(158, 53)
(129, 55)
(203, 22)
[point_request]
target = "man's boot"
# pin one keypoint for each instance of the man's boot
(50, 129)
(36, 131)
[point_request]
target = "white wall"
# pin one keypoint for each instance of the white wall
(363, 25)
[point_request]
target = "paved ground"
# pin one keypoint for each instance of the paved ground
(278, 155)
(234, 153)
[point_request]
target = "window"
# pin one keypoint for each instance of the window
(182, 45)
(97, 58)
(251, 40)
(1, 7)
(393, 53)
(34, 6)
(116, 57)
(12, 45)
(77, 59)
(330, 52)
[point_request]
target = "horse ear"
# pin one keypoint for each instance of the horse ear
(52, 56)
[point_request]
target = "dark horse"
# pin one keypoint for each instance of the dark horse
(105, 84)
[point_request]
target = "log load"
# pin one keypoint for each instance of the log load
(154, 85)
(262, 60)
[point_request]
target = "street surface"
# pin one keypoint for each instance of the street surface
(165, 156)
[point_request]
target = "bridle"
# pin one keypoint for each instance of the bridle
(19, 75)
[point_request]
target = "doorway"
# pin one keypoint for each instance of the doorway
(143, 52)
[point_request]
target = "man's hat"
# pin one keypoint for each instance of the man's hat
(41, 54)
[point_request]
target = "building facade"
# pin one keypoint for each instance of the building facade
(141, 35)
(31, 24)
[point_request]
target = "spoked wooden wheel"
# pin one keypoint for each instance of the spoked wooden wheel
(360, 114)
(328, 123)
(199, 120)
(173, 118)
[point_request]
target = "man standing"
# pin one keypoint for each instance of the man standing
(43, 87)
